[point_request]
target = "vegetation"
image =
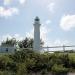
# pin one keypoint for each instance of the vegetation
(9, 42)
(26, 43)
(25, 62)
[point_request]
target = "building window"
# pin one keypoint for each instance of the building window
(6, 49)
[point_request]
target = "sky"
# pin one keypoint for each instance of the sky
(57, 18)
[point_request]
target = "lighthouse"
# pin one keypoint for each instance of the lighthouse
(36, 44)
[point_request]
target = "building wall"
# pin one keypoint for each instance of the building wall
(7, 49)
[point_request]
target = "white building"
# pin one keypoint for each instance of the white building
(8, 48)
(36, 45)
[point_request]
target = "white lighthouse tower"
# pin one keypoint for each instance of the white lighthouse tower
(36, 45)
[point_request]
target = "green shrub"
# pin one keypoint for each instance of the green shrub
(59, 69)
(21, 69)
(6, 73)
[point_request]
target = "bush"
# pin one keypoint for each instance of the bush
(6, 73)
(27, 61)
(59, 69)
(21, 69)
(44, 72)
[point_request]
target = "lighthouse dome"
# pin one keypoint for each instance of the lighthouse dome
(37, 18)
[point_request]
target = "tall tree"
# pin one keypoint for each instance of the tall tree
(9, 42)
(28, 43)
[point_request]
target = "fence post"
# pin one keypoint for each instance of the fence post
(63, 48)
(47, 48)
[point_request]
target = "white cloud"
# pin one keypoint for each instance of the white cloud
(4, 37)
(67, 22)
(48, 22)
(16, 36)
(6, 12)
(59, 42)
(51, 6)
(48, 4)
(42, 2)
(22, 2)
(30, 34)
(7, 2)
(43, 32)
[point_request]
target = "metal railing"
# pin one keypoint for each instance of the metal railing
(59, 48)
(56, 48)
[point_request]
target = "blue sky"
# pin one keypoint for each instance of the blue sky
(57, 19)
